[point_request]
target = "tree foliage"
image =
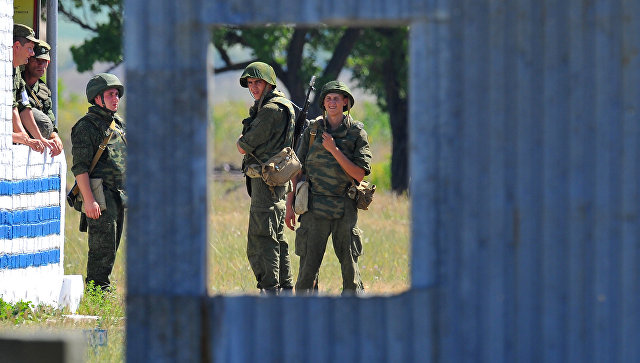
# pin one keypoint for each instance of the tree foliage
(103, 18)
(380, 63)
(296, 53)
(377, 58)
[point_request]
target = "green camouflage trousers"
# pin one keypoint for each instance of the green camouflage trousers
(267, 247)
(311, 243)
(104, 240)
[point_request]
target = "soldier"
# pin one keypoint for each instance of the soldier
(341, 148)
(104, 222)
(40, 95)
(267, 130)
(23, 42)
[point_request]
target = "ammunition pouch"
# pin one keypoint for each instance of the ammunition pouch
(279, 169)
(362, 193)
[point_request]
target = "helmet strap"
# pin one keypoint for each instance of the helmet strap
(104, 105)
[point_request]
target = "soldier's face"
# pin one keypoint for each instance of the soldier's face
(111, 99)
(256, 87)
(37, 66)
(21, 53)
(334, 103)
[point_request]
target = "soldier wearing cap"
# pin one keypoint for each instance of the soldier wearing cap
(267, 130)
(23, 43)
(103, 194)
(339, 153)
(40, 95)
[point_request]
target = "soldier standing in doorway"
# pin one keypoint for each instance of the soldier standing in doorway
(339, 153)
(265, 132)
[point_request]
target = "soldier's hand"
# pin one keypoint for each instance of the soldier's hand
(328, 142)
(290, 217)
(48, 143)
(34, 144)
(92, 210)
(57, 143)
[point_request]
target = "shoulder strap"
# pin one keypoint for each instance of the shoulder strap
(75, 189)
(284, 102)
(102, 146)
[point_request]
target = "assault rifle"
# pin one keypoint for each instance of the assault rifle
(301, 120)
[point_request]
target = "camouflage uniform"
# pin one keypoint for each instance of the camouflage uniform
(40, 96)
(106, 231)
(331, 212)
(40, 101)
(265, 132)
(20, 97)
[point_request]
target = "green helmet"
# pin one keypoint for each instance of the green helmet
(336, 87)
(258, 70)
(102, 82)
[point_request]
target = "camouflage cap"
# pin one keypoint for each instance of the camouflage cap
(258, 70)
(336, 87)
(41, 49)
(23, 31)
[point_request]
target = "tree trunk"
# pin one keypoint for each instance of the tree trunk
(397, 108)
(399, 153)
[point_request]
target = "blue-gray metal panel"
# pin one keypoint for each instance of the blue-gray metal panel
(317, 327)
(269, 335)
(422, 147)
(345, 329)
(446, 129)
(254, 12)
(217, 339)
(528, 188)
(376, 329)
(296, 315)
(372, 330)
(166, 236)
(580, 178)
(424, 333)
(238, 325)
(465, 343)
(497, 195)
(398, 328)
(629, 313)
(607, 183)
(153, 324)
(553, 179)
(424, 116)
(166, 132)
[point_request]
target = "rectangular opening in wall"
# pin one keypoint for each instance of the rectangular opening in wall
(372, 63)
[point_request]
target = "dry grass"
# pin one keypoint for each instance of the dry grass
(384, 265)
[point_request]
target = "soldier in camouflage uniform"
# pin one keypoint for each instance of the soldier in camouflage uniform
(40, 95)
(267, 130)
(104, 225)
(340, 148)
(23, 42)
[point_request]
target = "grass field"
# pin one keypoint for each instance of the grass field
(384, 265)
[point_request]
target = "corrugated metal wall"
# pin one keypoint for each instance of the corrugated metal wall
(525, 170)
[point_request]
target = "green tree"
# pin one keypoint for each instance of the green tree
(380, 62)
(295, 52)
(104, 19)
